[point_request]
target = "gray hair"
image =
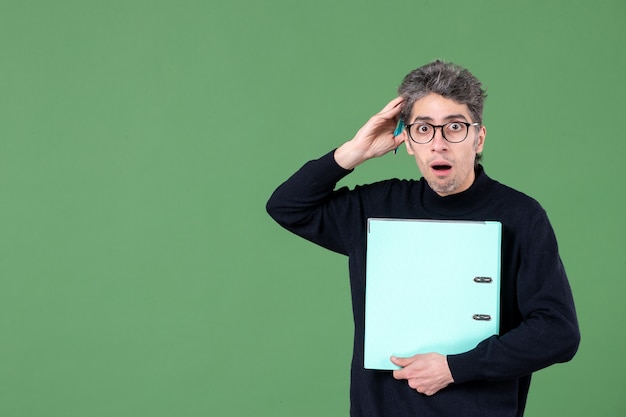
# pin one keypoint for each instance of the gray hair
(446, 79)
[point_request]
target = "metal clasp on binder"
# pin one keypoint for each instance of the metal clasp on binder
(482, 280)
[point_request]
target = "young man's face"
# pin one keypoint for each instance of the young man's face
(447, 167)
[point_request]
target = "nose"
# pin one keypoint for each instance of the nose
(439, 143)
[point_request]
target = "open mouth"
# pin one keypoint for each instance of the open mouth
(441, 167)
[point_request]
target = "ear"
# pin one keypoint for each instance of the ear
(408, 143)
(480, 140)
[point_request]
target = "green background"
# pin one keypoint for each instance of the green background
(140, 140)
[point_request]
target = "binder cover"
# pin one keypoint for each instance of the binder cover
(432, 286)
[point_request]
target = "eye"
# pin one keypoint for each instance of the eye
(455, 127)
(422, 129)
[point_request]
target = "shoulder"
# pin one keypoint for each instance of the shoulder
(514, 199)
(521, 215)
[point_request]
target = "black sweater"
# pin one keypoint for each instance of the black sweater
(538, 325)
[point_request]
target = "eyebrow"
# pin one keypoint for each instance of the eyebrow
(430, 119)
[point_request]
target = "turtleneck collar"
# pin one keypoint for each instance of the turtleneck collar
(461, 203)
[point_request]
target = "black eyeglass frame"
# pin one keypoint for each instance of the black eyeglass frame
(466, 124)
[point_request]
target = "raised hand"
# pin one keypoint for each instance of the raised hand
(375, 138)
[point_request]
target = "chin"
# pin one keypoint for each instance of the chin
(443, 188)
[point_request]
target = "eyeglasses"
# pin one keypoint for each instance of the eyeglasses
(453, 132)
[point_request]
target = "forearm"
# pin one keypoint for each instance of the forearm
(547, 331)
(532, 346)
(303, 204)
(352, 154)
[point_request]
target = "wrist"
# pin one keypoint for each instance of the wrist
(349, 156)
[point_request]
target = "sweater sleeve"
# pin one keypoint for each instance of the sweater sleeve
(548, 332)
(308, 205)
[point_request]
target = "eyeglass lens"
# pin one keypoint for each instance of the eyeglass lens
(425, 132)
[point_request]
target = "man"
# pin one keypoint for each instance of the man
(441, 107)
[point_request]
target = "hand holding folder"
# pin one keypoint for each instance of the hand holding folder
(432, 286)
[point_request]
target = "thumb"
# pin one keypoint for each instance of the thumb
(400, 361)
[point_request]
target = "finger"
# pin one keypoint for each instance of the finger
(393, 105)
(397, 145)
(401, 374)
(400, 361)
